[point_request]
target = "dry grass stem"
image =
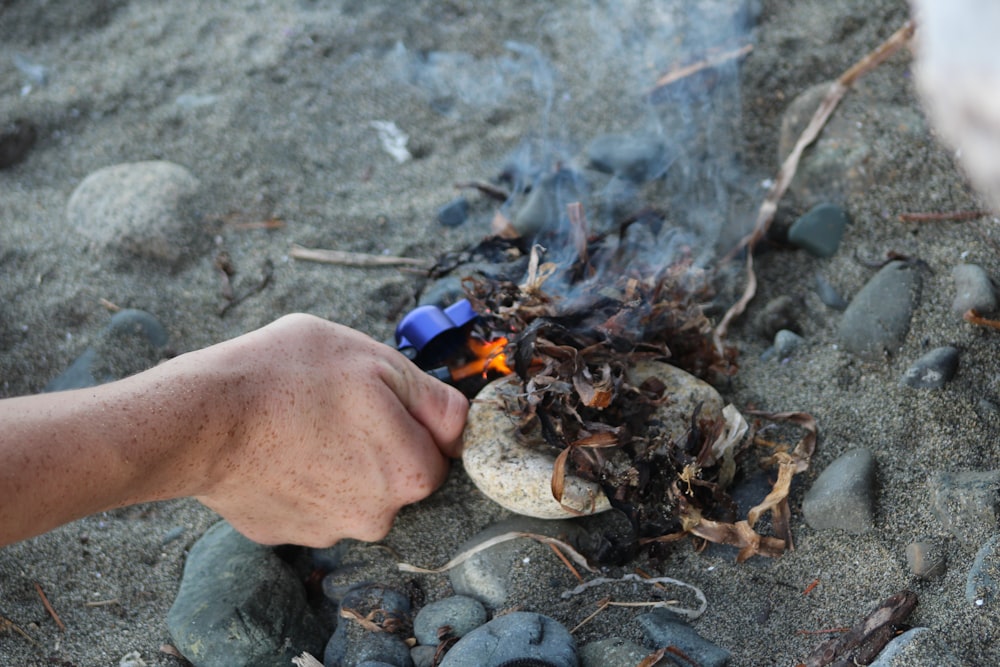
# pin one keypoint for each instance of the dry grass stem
(492, 542)
(713, 60)
(972, 317)
(666, 604)
(344, 258)
(943, 216)
(765, 215)
(48, 607)
(110, 305)
(7, 625)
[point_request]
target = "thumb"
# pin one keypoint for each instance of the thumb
(440, 408)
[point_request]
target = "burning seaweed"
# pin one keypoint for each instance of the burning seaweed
(572, 357)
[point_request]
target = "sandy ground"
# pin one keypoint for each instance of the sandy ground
(270, 105)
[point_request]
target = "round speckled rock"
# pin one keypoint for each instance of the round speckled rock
(137, 210)
(516, 470)
(878, 317)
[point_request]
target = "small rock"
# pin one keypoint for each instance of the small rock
(612, 652)
(828, 294)
(131, 342)
(459, 613)
(488, 576)
(545, 205)
(507, 467)
(519, 635)
(933, 370)
(779, 313)
(878, 317)
(925, 559)
(843, 494)
(967, 504)
(981, 586)
(786, 343)
(819, 230)
(138, 211)
(354, 642)
(637, 157)
(917, 647)
(423, 656)
(973, 290)
(239, 604)
(454, 213)
(662, 628)
(16, 140)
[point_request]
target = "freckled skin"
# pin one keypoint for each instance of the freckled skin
(302, 432)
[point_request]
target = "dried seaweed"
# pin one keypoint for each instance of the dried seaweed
(572, 347)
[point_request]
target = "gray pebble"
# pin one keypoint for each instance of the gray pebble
(488, 576)
(925, 559)
(967, 504)
(842, 497)
(973, 290)
(519, 635)
(139, 211)
(239, 604)
(460, 613)
(786, 343)
(981, 585)
(352, 642)
(779, 313)
(131, 342)
(878, 317)
(454, 213)
(423, 656)
(636, 157)
(819, 230)
(828, 294)
(612, 652)
(933, 370)
(663, 628)
(545, 205)
(917, 647)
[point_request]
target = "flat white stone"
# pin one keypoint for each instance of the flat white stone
(515, 470)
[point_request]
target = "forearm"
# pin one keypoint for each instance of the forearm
(70, 454)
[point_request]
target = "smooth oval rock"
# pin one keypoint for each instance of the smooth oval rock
(515, 470)
(973, 290)
(459, 613)
(917, 647)
(842, 497)
(876, 321)
(819, 230)
(982, 585)
(519, 635)
(663, 628)
(239, 604)
(933, 370)
(138, 210)
(612, 652)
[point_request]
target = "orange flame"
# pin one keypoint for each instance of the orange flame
(488, 356)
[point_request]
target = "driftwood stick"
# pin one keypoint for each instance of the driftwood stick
(353, 258)
(787, 172)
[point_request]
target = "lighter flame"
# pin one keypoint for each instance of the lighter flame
(489, 356)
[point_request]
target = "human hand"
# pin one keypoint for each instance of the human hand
(333, 433)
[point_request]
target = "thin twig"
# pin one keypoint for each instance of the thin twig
(7, 624)
(601, 606)
(566, 562)
(787, 172)
(972, 317)
(48, 607)
(102, 603)
(110, 305)
(943, 216)
(353, 258)
(271, 223)
(713, 60)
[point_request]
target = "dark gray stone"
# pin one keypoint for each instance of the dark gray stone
(139, 210)
(973, 290)
(967, 504)
(843, 495)
(423, 656)
(819, 230)
(933, 370)
(612, 652)
(518, 635)
(239, 604)
(131, 342)
(983, 582)
(454, 213)
(663, 628)
(878, 317)
(352, 642)
(637, 157)
(926, 559)
(917, 647)
(16, 139)
(460, 613)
